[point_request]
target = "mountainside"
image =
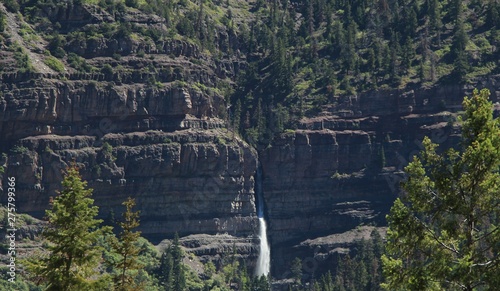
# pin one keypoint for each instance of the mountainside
(177, 104)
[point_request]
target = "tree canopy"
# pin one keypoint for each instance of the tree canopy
(443, 232)
(73, 231)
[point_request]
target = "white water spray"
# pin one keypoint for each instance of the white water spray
(264, 259)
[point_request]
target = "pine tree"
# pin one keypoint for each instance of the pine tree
(165, 270)
(73, 231)
(444, 233)
(126, 247)
(178, 274)
(435, 15)
(458, 51)
(261, 121)
(237, 116)
(296, 269)
(492, 16)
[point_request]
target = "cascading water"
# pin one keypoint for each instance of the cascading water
(264, 259)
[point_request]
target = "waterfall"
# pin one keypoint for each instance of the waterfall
(264, 259)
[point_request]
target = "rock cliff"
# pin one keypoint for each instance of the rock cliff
(343, 168)
(190, 181)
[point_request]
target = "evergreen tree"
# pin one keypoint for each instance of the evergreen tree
(296, 269)
(444, 233)
(178, 273)
(237, 116)
(72, 232)
(3, 21)
(492, 16)
(260, 284)
(327, 282)
(458, 51)
(261, 121)
(165, 270)
(434, 15)
(126, 247)
(455, 10)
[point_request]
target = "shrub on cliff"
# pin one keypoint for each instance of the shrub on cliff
(54, 64)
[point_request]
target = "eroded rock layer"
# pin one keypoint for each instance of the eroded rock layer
(191, 181)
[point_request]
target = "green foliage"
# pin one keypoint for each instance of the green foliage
(54, 64)
(106, 154)
(56, 45)
(20, 284)
(360, 271)
(3, 22)
(19, 149)
(11, 5)
(107, 70)
(78, 63)
(73, 232)
(132, 3)
(127, 264)
(444, 233)
(172, 272)
(296, 270)
(23, 62)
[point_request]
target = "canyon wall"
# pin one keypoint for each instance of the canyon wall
(191, 175)
(155, 128)
(342, 170)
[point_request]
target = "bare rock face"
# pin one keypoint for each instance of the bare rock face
(188, 181)
(343, 168)
(68, 108)
(313, 183)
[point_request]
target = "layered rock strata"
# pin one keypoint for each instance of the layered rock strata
(191, 181)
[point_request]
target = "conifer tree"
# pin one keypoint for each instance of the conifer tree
(72, 233)
(444, 232)
(237, 116)
(296, 269)
(126, 247)
(165, 272)
(434, 15)
(178, 274)
(458, 51)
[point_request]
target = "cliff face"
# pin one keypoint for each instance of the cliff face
(141, 115)
(45, 106)
(188, 182)
(343, 169)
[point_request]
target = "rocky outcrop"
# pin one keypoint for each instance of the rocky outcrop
(67, 108)
(217, 248)
(191, 181)
(316, 182)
